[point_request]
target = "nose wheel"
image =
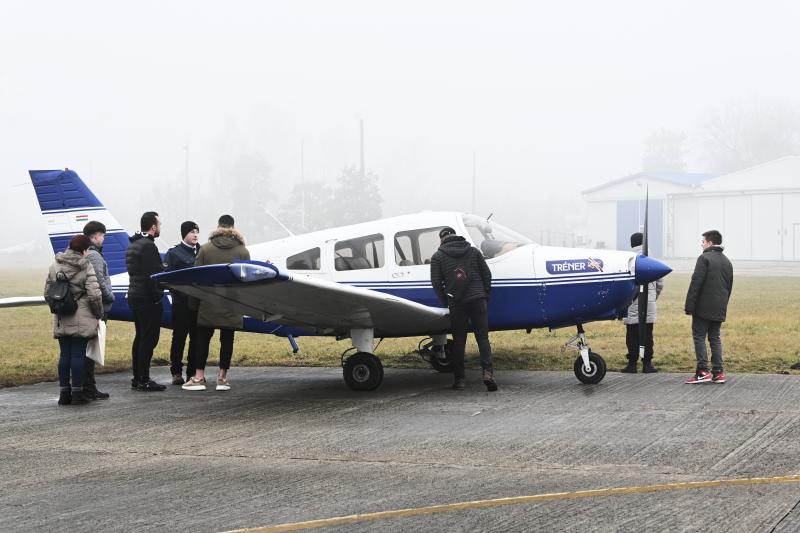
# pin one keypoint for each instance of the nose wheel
(589, 367)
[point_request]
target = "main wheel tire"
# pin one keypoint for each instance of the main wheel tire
(363, 371)
(598, 369)
(445, 366)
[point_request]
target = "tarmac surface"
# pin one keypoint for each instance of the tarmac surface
(294, 444)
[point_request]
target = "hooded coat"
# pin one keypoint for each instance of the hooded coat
(455, 252)
(225, 245)
(711, 286)
(85, 289)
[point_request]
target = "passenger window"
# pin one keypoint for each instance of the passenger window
(360, 253)
(416, 247)
(307, 260)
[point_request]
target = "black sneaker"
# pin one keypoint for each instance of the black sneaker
(151, 386)
(134, 384)
(630, 368)
(459, 384)
(648, 368)
(795, 366)
(65, 397)
(79, 397)
(92, 393)
(177, 379)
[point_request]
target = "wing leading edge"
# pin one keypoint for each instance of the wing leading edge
(262, 291)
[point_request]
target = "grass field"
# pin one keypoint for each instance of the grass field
(760, 336)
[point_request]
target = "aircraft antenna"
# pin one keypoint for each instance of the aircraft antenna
(273, 217)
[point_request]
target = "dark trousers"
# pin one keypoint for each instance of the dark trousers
(147, 321)
(632, 340)
(702, 328)
(184, 322)
(71, 360)
(204, 335)
(461, 316)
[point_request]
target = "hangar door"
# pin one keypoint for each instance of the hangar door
(630, 219)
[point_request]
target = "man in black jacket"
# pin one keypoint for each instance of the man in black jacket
(184, 319)
(707, 303)
(145, 299)
(462, 281)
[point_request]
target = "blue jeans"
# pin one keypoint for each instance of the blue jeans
(702, 328)
(73, 352)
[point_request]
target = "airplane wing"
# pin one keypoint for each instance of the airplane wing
(262, 291)
(21, 301)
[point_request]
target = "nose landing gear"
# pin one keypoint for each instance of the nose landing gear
(589, 367)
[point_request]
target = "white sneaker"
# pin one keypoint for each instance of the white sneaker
(222, 384)
(194, 384)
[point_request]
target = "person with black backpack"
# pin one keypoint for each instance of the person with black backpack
(462, 281)
(74, 297)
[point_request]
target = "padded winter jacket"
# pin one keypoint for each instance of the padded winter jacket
(85, 289)
(225, 245)
(711, 286)
(143, 260)
(455, 252)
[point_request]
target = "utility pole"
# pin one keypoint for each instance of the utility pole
(302, 186)
(186, 176)
(363, 172)
(474, 181)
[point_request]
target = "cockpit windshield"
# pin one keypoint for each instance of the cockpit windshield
(491, 238)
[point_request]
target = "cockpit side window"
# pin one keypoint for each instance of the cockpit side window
(306, 260)
(416, 247)
(359, 253)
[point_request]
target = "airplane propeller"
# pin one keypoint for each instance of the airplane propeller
(644, 288)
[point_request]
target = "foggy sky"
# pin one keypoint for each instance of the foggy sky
(554, 97)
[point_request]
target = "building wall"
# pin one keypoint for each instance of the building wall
(602, 224)
(758, 226)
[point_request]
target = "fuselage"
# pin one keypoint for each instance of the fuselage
(533, 286)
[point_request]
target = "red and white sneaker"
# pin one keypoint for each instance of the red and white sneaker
(718, 377)
(701, 376)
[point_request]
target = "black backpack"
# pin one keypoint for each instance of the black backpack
(456, 280)
(60, 298)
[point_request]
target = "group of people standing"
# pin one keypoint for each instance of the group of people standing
(85, 276)
(459, 275)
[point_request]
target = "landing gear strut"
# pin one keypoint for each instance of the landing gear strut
(589, 367)
(362, 371)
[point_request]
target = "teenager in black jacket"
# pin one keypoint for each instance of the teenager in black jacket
(184, 319)
(145, 299)
(462, 281)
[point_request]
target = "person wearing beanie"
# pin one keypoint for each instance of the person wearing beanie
(145, 299)
(73, 330)
(631, 321)
(96, 231)
(225, 245)
(184, 319)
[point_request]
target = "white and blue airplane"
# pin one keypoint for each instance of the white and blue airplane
(372, 280)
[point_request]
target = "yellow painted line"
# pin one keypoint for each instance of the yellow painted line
(516, 500)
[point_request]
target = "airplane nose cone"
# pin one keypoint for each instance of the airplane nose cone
(649, 270)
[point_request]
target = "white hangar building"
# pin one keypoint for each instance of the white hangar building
(757, 210)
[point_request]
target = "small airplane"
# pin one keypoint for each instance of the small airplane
(372, 280)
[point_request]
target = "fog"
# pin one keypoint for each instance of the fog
(550, 97)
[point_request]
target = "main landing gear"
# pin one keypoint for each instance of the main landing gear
(436, 350)
(589, 367)
(362, 371)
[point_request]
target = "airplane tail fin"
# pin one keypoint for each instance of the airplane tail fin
(67, 204)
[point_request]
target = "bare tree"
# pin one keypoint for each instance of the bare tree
(745, 134)
(357, 197)
(665, 151)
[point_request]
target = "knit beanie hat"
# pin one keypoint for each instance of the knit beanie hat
(187, 227)
(636, 239)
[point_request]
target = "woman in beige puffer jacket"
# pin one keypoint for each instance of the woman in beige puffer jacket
(74, 331)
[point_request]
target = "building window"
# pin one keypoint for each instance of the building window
(416, 247)
(360, 253)
(307, 260)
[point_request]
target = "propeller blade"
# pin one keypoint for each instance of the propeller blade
(645, 250)
(643, 295)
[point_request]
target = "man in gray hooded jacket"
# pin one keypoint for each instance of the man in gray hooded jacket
(631, 321)
(96, 231)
